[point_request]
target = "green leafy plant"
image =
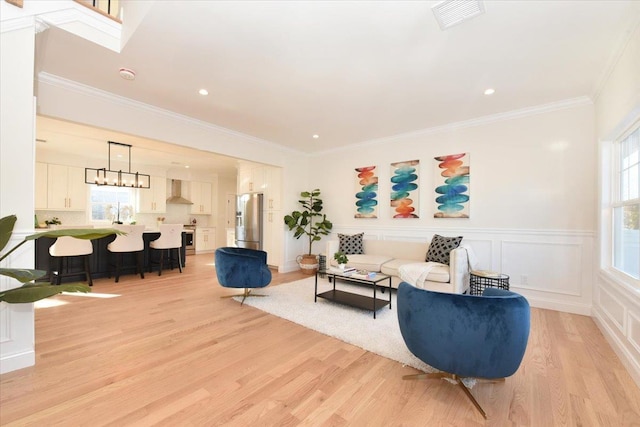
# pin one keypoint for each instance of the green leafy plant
(340, 257)
(31, 291)
(309, 221)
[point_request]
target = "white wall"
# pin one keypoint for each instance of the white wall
(74, 102)
(616, 303)
(225, 186)
(533, 188)
(17, 185)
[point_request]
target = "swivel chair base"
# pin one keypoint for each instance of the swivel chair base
(456, 379)
(244, 295)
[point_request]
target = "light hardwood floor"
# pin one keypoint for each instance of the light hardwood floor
(170, 352)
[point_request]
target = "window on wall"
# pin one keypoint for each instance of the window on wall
(626, 205)
(111, 204)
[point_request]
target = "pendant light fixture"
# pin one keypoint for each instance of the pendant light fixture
(117, 178)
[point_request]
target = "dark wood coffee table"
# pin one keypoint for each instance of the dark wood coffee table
(352, 299)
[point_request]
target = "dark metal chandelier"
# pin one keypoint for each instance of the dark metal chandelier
(119, 178)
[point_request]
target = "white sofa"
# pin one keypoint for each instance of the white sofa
(388, 256)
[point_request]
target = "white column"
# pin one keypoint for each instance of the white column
(17, 139)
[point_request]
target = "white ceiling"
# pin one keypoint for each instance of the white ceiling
(89, 146)
(350, 71)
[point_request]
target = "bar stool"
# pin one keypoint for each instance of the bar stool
(170, 238)
(69, 247)
(132, 242)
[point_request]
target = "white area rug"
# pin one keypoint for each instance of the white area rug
(294, 302)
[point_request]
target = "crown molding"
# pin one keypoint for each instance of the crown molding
(17, 24)
(71, 16)
(66, 84)
(614, 58)
(480, 121)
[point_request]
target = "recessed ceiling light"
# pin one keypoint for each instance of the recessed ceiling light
(489, 91)
(186, 166)
(316, 136)
(127, 74)
(203, 92)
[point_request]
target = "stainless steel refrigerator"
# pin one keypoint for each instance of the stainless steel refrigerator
(249, 221)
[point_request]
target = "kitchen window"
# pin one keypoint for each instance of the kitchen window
(111, 204)
(626, 204)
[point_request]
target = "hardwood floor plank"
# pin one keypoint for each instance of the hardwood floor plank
(169, 351)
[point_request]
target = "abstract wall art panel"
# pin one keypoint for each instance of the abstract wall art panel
(452, 186)
(405, 199)
(366, 192)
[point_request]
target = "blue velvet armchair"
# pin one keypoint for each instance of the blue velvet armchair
(464, 336)
(242, 268)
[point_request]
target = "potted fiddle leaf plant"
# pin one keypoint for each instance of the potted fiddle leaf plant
(31, 291)
(309, 221)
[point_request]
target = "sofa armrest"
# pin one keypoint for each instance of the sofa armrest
(459, 270)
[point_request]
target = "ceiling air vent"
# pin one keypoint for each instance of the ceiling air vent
(452, 12)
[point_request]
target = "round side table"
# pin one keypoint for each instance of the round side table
(479, 280)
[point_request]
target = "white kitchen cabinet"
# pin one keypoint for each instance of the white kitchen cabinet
(66, 189)
(205, 239)
(201, 198)
(272, 236)
(41, 186)
(266, 180)
(153, 199)
(251, 179)
(244, 180)
(273, 188)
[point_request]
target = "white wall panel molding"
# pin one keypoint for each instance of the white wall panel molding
(543, 266)
(621, 346)
(409, 228)
(553, 269)
(612, 307)
(617, 313)
(17, 24)
(634, 331)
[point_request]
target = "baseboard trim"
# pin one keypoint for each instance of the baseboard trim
(632, 366)
(17, 361)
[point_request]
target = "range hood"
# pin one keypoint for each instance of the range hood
(176, 194)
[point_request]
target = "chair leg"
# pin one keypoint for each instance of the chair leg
(51, 267)
(161, 262)
(455, 378)
(179, 259)
(59, 278)
(139, 264)
(473, 399)
(87, 270)
(118, 265)
(246, 293)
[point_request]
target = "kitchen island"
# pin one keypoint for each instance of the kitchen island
(100, 259)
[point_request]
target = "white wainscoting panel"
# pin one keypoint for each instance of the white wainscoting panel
(551, 268)
(543, 266)
(616, 310)
(17, 320)
(634, 331)
(484, 251)
(613, 308)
